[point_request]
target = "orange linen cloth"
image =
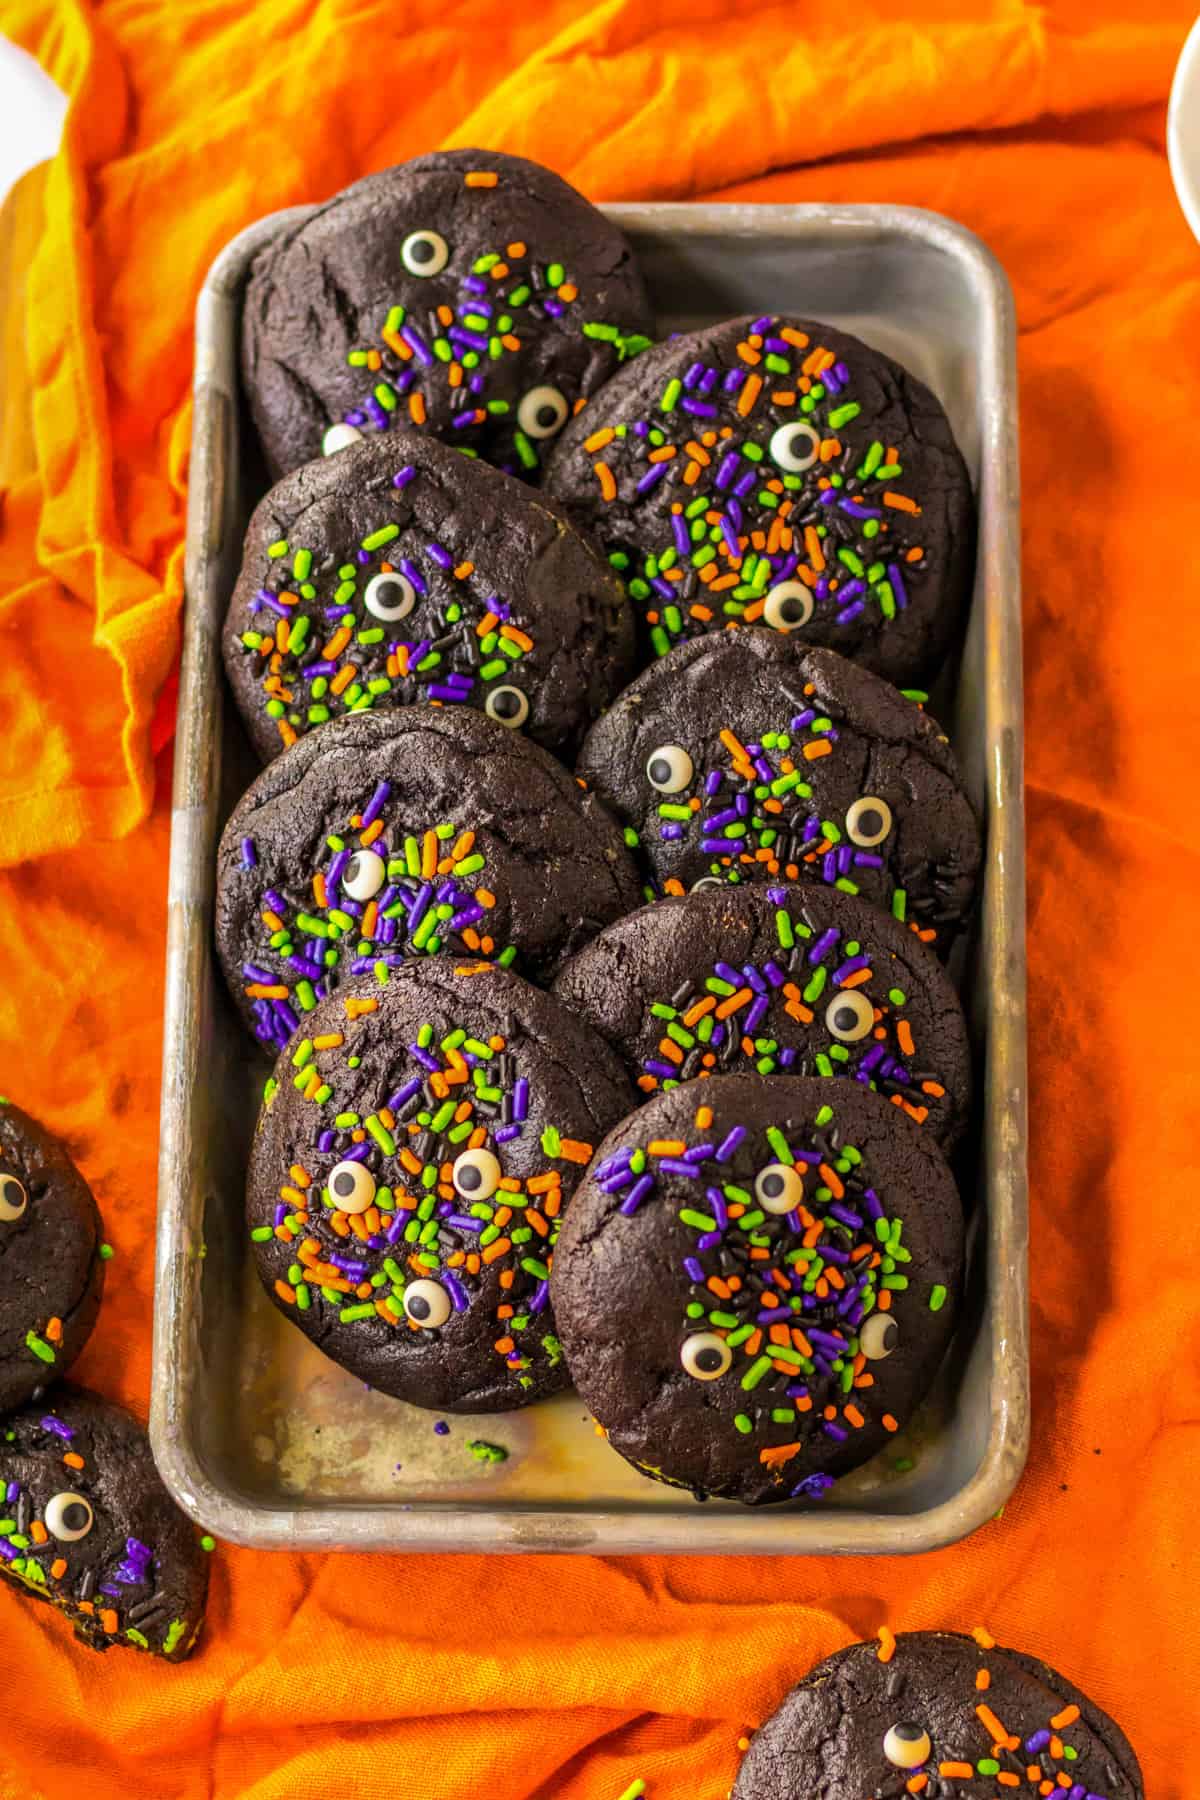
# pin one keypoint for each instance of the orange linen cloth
(1041, 127)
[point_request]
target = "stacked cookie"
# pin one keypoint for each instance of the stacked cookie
(85, 1522)
(597, 897)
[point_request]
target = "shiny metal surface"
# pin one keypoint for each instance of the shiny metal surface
(256, 1433)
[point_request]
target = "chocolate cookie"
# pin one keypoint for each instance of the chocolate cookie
(408, 1179)
(408, 833)
(51, 1269)
(401, 571)
(90, 1527)
(777, 472)
(783, 981)
(472, 295)
(757, 1281)
(943, 1715)
(749, 757)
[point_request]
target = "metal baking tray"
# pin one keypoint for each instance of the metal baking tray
(258, 1435)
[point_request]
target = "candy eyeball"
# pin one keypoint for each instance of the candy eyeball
(705, 1356)
(878, 1337)
(476, 1174)
(795, 447)
(69, 1517)
(849, 1016)
(669, 769)
(364, 875)
(351, 1187)
(508, 706)
(907, 1746)
(707, 881)
(339, 437)
(390, 597)
(788, 606)
(424, 253)
(868, 821)
(778, 1188)
(13, 1199)
(427, 1304)
(542, 412)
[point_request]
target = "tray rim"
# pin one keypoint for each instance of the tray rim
(527, 1527)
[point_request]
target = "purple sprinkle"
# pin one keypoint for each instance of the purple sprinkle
(57, 1427)
(426, 1061)
(829, 871)
(455, 1290)
(845, 859)
(653, 474)
(285, 1016)
(439, 691)
(662, 587)
(7, 1551)
(716, 1200)
(709, 1241)
(747, 484)
(376, 804)
(379, 419)
(636, 1194)
(463, 420)
(441, 556)
(281, 1211)
(850, 612)
(700, 409)
(670, 833)
(716, 844)
(249, 854)
(692, 375)
(848, 968)
(683, 542)
(554, 308)
(417, 344)
(813, 1486)
(113, 1592)
(727, 469)
(755, 1016)
(698, 1153)
(731, 539)
(857, 511)
(712, 782)
(835, 1431)
(675, 1165)
(753, 979)
(693, 1268)
(411, 572)
(823, 945)
(357, 1153)
(540, 1298)
(866, 859)
(521, 1099)
(1037, 1742)
(733, 381)
(761, 325)
(773, 972)
(666, 1071)
(872, 1200)
(898, 587)
(731, 1143)
(442, 1429)
(252, 972)
(12, 1492)
(507, 1132)
(475, 284)
(403, 476)
(844, 1214)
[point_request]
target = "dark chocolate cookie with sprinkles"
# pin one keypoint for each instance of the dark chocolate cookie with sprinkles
(777, 472)
(412, 832)
(781, 981)
(414, 1159)
(51, 1266)
(757, 1282)
(942, 1715)
(90, 1527)
(402, 572)
(472, 295)
(749, 757)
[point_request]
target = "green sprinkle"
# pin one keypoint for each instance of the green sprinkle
(824, 1116)
(783, 926)
(278, 548)
(39, 1346)
(349, 1314)
(379, 538)
(670, 395)
(754, 1374)
(482, 1451)
(842, 415)
(743, 1424)
(301, 564)
(698, 1221)
(899, 904)
(208, 1544)
(107, 1253)
(551, 1141)
(382, 1135)
(175, 1631)
(525, 450)
(533, 1267)
(634, 1791)
(262, 1234)
(937, 1298)
(779, 1144)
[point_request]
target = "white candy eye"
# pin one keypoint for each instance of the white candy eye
(669, 768)
(351, 1187)
(339, 437)
(705, 1356)
(878, 1337)
(427, 1304)
(13, 1199)
(795, 447)
(789, 605)
(424, 253)
(849, 1016)
(508, 706)
(907, 1746)
(542, 411)
(707, 881)
(778, 1189)
(390, 597)
(69, 1518)
(868, 821)
(476, 1174)
(364, 875)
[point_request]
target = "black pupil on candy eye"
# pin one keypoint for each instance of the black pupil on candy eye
(470, 1178)
(708, 1359)
(909, 1734)
(869, 822)
(419, 1307)
(771, 1186)
(506, 706)
(845, 1018)
(547, 416)
(891, 1332)
(660, 769)
(422, 250)
(791, 609)
(344, 1183)
(389, 593)
(75, 1516)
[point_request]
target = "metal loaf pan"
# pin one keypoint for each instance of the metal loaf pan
(259, 1436)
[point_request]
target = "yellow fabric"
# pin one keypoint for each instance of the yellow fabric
(1041, 128)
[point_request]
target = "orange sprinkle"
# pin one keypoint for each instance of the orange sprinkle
(500, 1248)
(887, 1644)
(665, 1147)
(341, 681)
(774, 1457)
(337, 643)
(356, 1008)
(664, 454)
(900, 502)
(751, 389)
(568, 291)
(983, 1680)
(831, 1180)
(260, 990)
(983, 1637)
(504, 1345)
(749, 354)
(696, 450)
(904, 1038)
(58, 1568)
(735, 1003)
(857, 979)
(38, 1532)
(704, 1118)
(481, 178)
(599, 439)
(916, 1784)
(395, 342)
(608, 486)
(514, 636)
(463, 569)
(990, 1722)
(1066, 1717)
(108, 1619)
(54, 1330)
(959, 1769)
(819, 747)
(889, 1423)
(416, 408)
(797, 339)
(286, 1293)
(73, 1460)
(517, 249)
(855, 1417)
